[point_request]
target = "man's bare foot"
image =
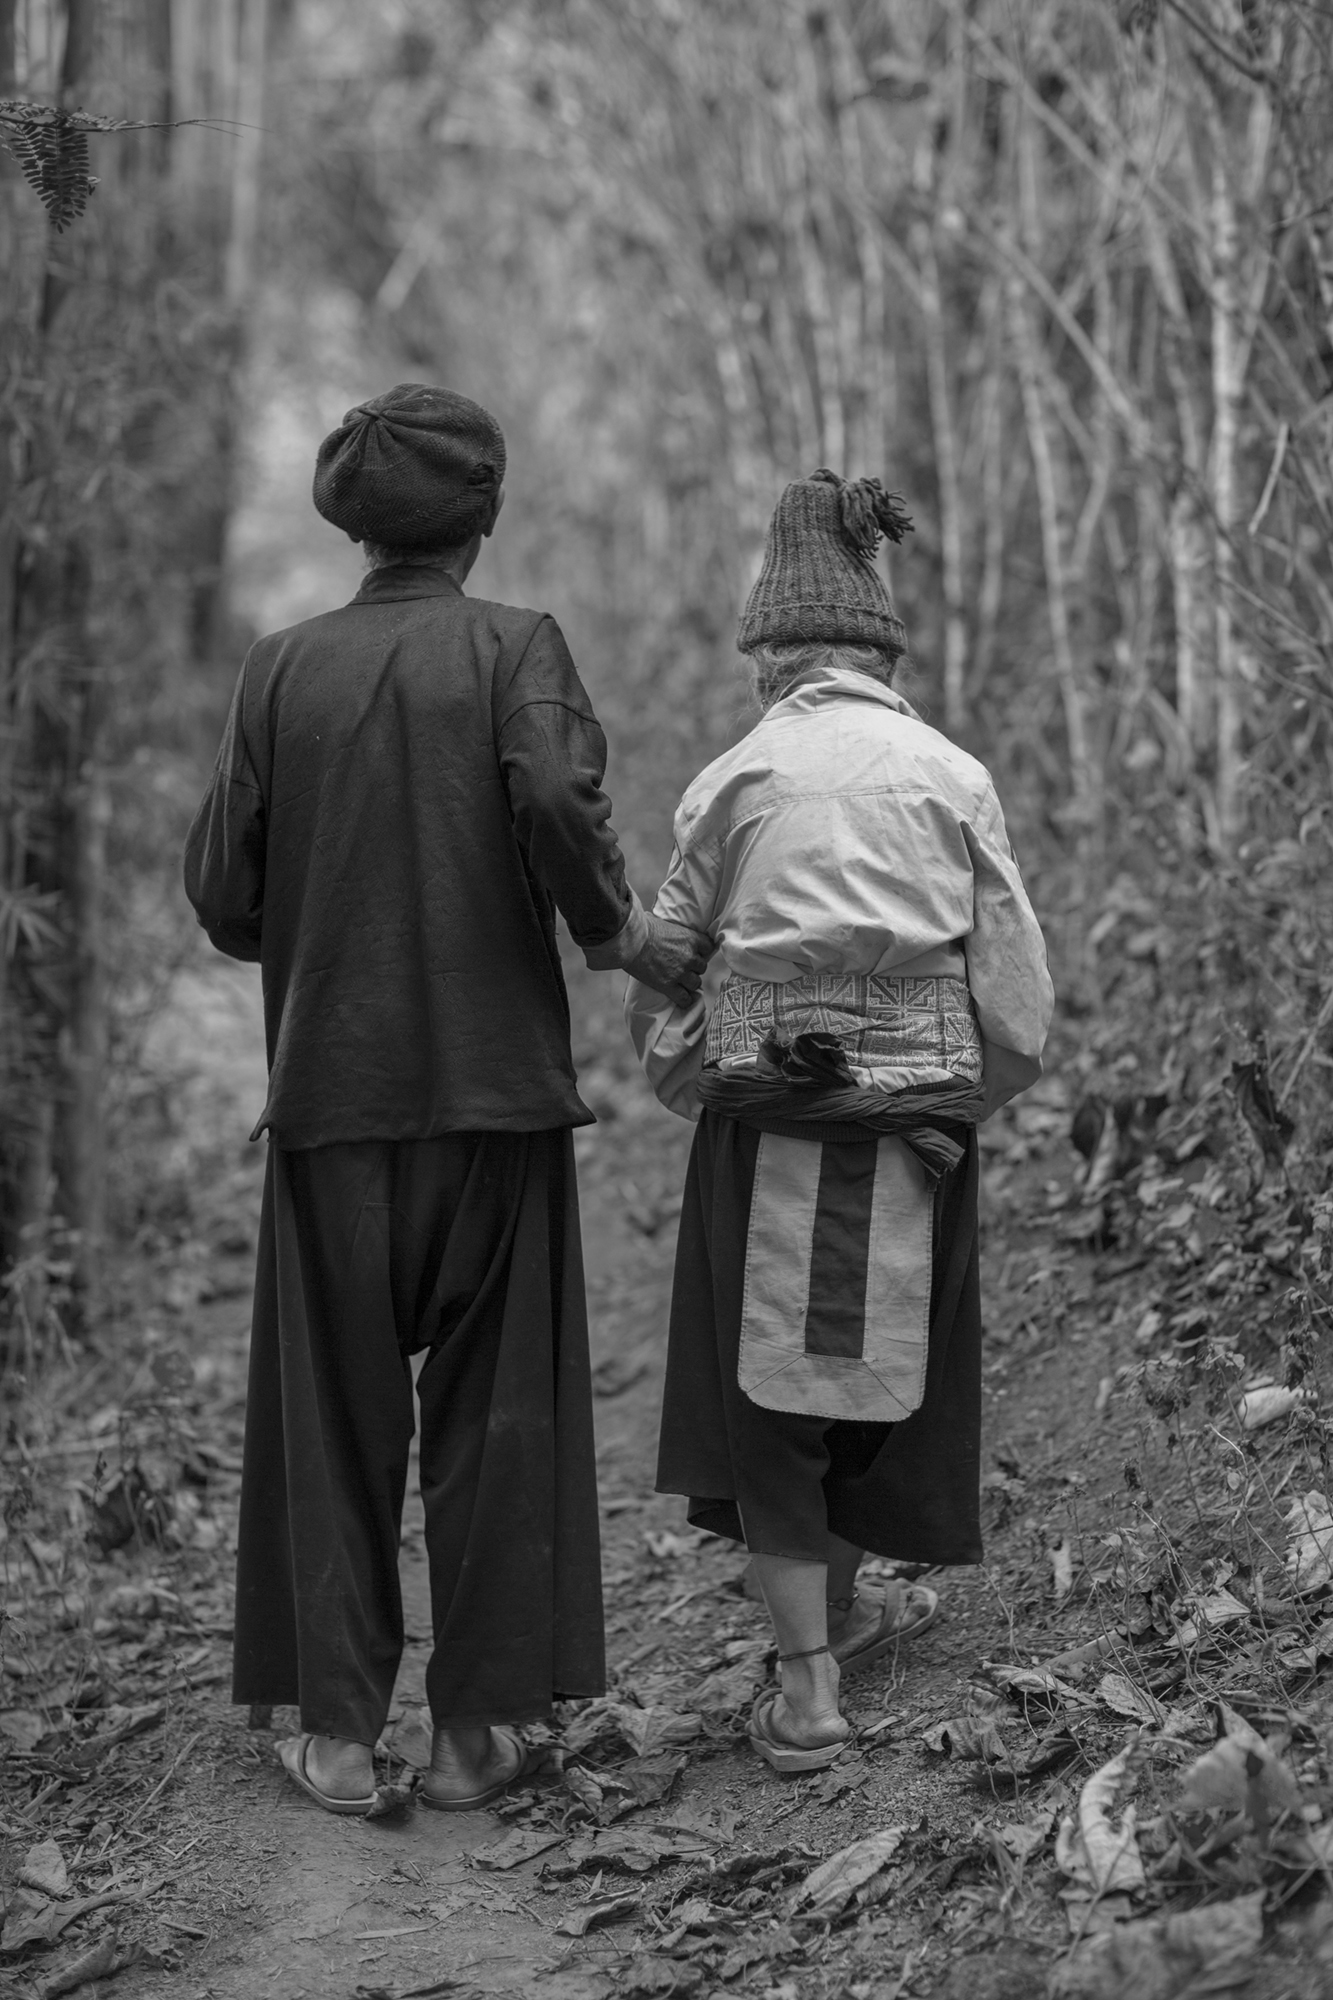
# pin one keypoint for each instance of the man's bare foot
(339, 1768)
(467, 1762)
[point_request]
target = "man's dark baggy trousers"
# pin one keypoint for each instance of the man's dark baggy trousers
(467, 1247)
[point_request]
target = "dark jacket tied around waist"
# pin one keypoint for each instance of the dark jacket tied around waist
(407, 790)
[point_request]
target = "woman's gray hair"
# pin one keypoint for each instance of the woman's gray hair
(773, 669)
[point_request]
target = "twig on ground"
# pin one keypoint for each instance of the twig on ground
(162, 1782)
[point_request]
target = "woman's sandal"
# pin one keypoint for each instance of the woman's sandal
(917, 1608)
(784, 1756)
(529, 1760)
(384, 1799)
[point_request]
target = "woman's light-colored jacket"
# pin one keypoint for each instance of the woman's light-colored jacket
(844, 835)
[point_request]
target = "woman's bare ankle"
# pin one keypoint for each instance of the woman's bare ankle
(810, 1697)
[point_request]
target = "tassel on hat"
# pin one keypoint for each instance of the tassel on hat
(817, 584)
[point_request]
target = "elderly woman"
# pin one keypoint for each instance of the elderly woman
(885, 989)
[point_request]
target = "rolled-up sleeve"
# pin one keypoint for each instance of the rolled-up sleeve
(553, 757)
(1007, 969)
(224, 849)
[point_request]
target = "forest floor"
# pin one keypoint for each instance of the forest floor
(1155, 1592)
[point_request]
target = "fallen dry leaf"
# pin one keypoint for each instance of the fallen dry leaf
(520, 1844)
(1265, 1405)
(1036, 1682)
(40, 1922)
(1089, 1848)
(667, 1546)
(584, 1787)
(649, 1977)
(1208, 1950)
(1119, 1693)
(410, 1738)
(1310, 1539)
(633, 1850)
(1062, 1569)
(646, 1782)
(601, 1910)
(44, 1869)
(829, 1887)
(648, 1730)
(24, 1727)
(1023, 1838)
(972, 1738)
(729, 1689)
(1241, 1774)
(102, 1962)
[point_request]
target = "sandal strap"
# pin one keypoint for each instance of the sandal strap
(810, 1653)
(842, 1603)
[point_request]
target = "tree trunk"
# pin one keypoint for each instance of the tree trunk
(946, 478)
(11, 332)
(994, 508)
(1227, 384)
(248, 158)
(1051, 510)
(1189, 551)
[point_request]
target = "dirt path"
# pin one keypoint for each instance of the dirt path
(233, 1887)
(321, 1906)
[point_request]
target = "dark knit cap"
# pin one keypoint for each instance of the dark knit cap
(818, 582)
(415, 468)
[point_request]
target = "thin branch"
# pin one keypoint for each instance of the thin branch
(1098, 366)
(1270, 484)
(1201, 29)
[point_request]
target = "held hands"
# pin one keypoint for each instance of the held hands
(673, 960)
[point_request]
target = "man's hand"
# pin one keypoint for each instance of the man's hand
(673, 960)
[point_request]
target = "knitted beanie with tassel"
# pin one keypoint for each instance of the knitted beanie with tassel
(818, 583)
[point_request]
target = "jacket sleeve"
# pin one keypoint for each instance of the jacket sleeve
(1006, 962)
(669, 1040)
(553, 757)
(224, 849)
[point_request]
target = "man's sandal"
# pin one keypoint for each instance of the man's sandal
(901, 1617)
(528, 1761)
(787, 1757)
(384, 1799)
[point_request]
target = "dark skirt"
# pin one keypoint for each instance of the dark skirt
(466, 1247)
(781, 1482)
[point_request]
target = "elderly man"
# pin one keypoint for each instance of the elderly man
(407, 791)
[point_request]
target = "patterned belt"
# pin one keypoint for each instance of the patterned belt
(882, 1020)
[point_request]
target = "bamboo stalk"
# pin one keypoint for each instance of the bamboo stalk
(946, 475)
(1227, 384)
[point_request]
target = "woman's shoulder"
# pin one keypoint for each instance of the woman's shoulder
(923, 741)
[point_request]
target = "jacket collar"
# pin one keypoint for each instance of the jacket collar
(396, 581)
(824, 684)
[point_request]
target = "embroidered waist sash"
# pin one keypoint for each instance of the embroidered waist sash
(913, 1029)
(837, 1058)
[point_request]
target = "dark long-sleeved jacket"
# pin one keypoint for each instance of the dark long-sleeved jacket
(406, 791)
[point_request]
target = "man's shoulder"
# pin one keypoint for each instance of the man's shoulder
(509, 627)
(507, 617)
